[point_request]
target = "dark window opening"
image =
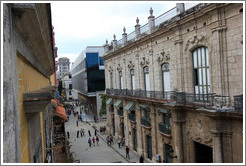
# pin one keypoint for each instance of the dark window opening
(195, 77)
(241, 11)
(203, 153)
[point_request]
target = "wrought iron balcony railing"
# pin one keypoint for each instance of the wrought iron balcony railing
(145, 122)
(132, 117)
(210, 101)
(120, 112)
(164, 128)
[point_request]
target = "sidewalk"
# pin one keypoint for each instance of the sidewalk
(122, 150)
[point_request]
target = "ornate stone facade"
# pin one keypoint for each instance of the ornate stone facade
(211, 124)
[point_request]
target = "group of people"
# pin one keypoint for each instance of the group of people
(121, 142)
(110, 140)
(93, 141)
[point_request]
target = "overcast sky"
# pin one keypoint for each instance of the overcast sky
(80, 24)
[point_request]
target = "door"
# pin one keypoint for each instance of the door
(168, 154)
(203, 153)
(113, 126)
(149, 147)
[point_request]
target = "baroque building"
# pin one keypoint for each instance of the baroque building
(174, 87)
(64, 67)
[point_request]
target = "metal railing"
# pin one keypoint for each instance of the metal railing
(190, 5)
(145, 122)
(120, 112)
(165, 16)
(131, 36)
(131, 117)
(164, 128)
(210, 101)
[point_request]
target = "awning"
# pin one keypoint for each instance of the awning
(59, 104)
(162, 110)
(130, 106)
(60, 111)
(144, 106)
(118, 103)
(54, 101)
(110, 101)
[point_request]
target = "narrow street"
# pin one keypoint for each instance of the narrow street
(80, 147)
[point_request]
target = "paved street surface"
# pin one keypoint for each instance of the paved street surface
(94, 154)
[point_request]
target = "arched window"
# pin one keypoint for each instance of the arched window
(165, 79)
(201, 72)
(121, 80)
(132, 80)
(146, 80)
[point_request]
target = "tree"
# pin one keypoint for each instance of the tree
(103, 106)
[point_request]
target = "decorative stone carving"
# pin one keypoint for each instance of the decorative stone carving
(130, 65)
(162, 56)
(195, 39)
(137, 21)
(119, 68)
(199, 124)
(144, 61)
(110, 69)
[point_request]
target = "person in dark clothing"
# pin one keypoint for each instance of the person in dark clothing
(127, 152)
(67, 134)
(95, 132)
(78, 133)
(89, 132)
(141, 160)
(77, 122)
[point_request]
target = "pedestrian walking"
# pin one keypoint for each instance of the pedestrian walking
(108, 140)
(97, 139)
(95, 119)
(67, 134)
(77, 133)
(81, 132)
(111, 139)
(95, 132)
(127, 152)
(77, 122)
(89, 141)
(89, 132)
(141, 160)
(119, 142)
(93, 140)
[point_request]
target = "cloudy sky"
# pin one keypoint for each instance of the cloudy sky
(80, 24)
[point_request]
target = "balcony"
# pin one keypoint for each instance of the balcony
(120, 112)
(208, 101)
(145, 122)
(164, 128)
(132, 117)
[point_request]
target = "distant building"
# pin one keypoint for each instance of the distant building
(67, 85)
(64, 66)
(174, 87)
(88, 76)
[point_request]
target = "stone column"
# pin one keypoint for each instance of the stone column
(217, 151)
(126, 125)
(151, 20)
(139, 129)
(178, 136)
(153, 132)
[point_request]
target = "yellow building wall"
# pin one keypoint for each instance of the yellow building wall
(29, 79)
(52, 79)
(42, 133)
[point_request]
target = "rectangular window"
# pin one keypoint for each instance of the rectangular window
(111, 80)
(147, 85)
(133, 82)
(101, 61)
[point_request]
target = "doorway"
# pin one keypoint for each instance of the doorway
(203, 153)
